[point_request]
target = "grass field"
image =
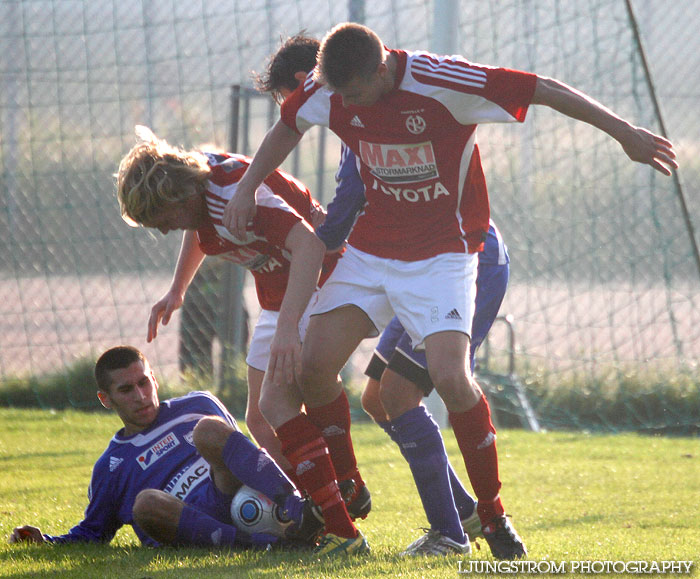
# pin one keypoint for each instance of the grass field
(573, 497)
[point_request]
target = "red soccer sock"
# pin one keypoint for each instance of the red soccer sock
(304, 447)
(333, 420)
(292, 476)
(476, 437)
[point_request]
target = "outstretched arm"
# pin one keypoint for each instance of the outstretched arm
(639, 144)
(188, 262)
(277, 144)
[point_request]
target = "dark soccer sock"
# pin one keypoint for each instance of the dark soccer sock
(305, 448)
(464, 501)
(333, 420)
(476, 437)
(424, 449)
(385, 425)
(196, 528)
(254, 467)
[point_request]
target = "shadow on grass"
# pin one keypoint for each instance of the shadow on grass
(94, 560)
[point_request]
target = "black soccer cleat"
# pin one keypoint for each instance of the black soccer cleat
(357, 500)
(503, 540)
(310, 527)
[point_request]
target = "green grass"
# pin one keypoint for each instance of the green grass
(573, 497)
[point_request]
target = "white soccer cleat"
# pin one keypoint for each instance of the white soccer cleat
(472, 526)
(433, 543)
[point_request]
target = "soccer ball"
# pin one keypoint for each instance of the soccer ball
(253, 512)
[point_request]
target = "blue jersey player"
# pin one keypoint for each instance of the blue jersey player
(398, 375)
(172, 470)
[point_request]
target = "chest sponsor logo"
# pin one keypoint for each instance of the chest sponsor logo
(429, 192)
(398, 163)
(187, 479)
(160, 448)
(253, 260)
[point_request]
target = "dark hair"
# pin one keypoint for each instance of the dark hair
(349, 50)
(115, 359)
(297, 54)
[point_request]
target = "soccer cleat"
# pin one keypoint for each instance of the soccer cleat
(310, 526)
(503, 541)
(357, 500)
(434, 543)
(472, 525)
(331, 545)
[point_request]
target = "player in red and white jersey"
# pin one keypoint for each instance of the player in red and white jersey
(410, 119)
(280, 249)
(417, 151)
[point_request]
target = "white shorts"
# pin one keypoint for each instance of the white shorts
(428, 296)
(265, 328)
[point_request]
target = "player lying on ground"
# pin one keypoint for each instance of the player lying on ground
(174, 468)
(167, 188)
(450, 509)
(411, 117)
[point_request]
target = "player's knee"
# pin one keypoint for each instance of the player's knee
(398, 394)
(210, 434)
(456, 387)
(395, 405)
(450, 377)
(147, 506)
(372, 404)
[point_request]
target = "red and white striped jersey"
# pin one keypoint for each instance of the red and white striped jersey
(417, 152)
(282, 201)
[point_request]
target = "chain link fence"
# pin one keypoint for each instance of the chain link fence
(604, 286)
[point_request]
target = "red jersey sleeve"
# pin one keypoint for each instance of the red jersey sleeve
(511, 89)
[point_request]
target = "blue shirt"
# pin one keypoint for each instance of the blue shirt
(162, 456)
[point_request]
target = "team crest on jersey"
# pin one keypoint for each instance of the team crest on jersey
(397, 163)
(415, 124)
(160, 448)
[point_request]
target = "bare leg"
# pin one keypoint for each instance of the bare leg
(470, 417)
(158, 514)
(371, 403)
(446, 353)
(258, 427)
(330, 340)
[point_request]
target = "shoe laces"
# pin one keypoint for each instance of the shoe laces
(348, 490)
(500, 527)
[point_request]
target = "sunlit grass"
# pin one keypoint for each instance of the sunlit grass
(572, 497)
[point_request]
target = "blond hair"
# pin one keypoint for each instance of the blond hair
(154, 174)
